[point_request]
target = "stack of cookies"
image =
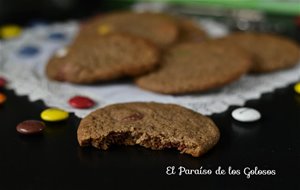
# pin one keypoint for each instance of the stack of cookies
(163, 54)
(166, 54)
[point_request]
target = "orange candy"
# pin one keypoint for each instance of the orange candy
(2, 98)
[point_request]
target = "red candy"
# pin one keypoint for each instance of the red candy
(81, 102)
(2, 82)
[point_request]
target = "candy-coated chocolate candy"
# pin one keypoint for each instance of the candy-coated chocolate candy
(30, 127)
(245, 114)
(104, 29)
(81, 102)
(57, 36)
(2, 82)
(29, 51)
(297, 87)
(10, 31)
(2, 98)
(54, 114)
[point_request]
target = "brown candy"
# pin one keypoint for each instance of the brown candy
(30, 127)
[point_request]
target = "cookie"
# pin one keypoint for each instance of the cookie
(189, 31)
(110, 57)
(152, 125)
(269, 52)
(159, 30)
(195, 67)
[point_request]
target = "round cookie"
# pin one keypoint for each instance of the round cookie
(152, 125)
(110, 57)
(269, 52)
(195, 67)
(159, 30)
(189, 31)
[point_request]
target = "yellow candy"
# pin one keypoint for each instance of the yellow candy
(297, 87)
(10, 31)
(54, 114)
(2, 98)
(104, 29)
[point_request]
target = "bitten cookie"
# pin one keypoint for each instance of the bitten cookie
(152, 125)
(269, 52)
(159, 30)
(195, 67)
(112, 56)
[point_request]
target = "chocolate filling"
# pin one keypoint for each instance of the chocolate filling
(143, 139)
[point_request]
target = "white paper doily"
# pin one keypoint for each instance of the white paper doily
(26, 76)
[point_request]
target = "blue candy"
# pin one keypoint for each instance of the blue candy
(29, 51)
(57, 36)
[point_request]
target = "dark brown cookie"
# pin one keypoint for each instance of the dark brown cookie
(159, 30)
(269, 52)
(152, 125)
(194, 67)
(112, 56)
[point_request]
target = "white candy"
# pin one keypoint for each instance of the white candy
(246, 114)
(61, 53)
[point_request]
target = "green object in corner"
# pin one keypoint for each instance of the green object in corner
(291, 7)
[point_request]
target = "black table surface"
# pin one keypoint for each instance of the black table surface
(54, 159)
